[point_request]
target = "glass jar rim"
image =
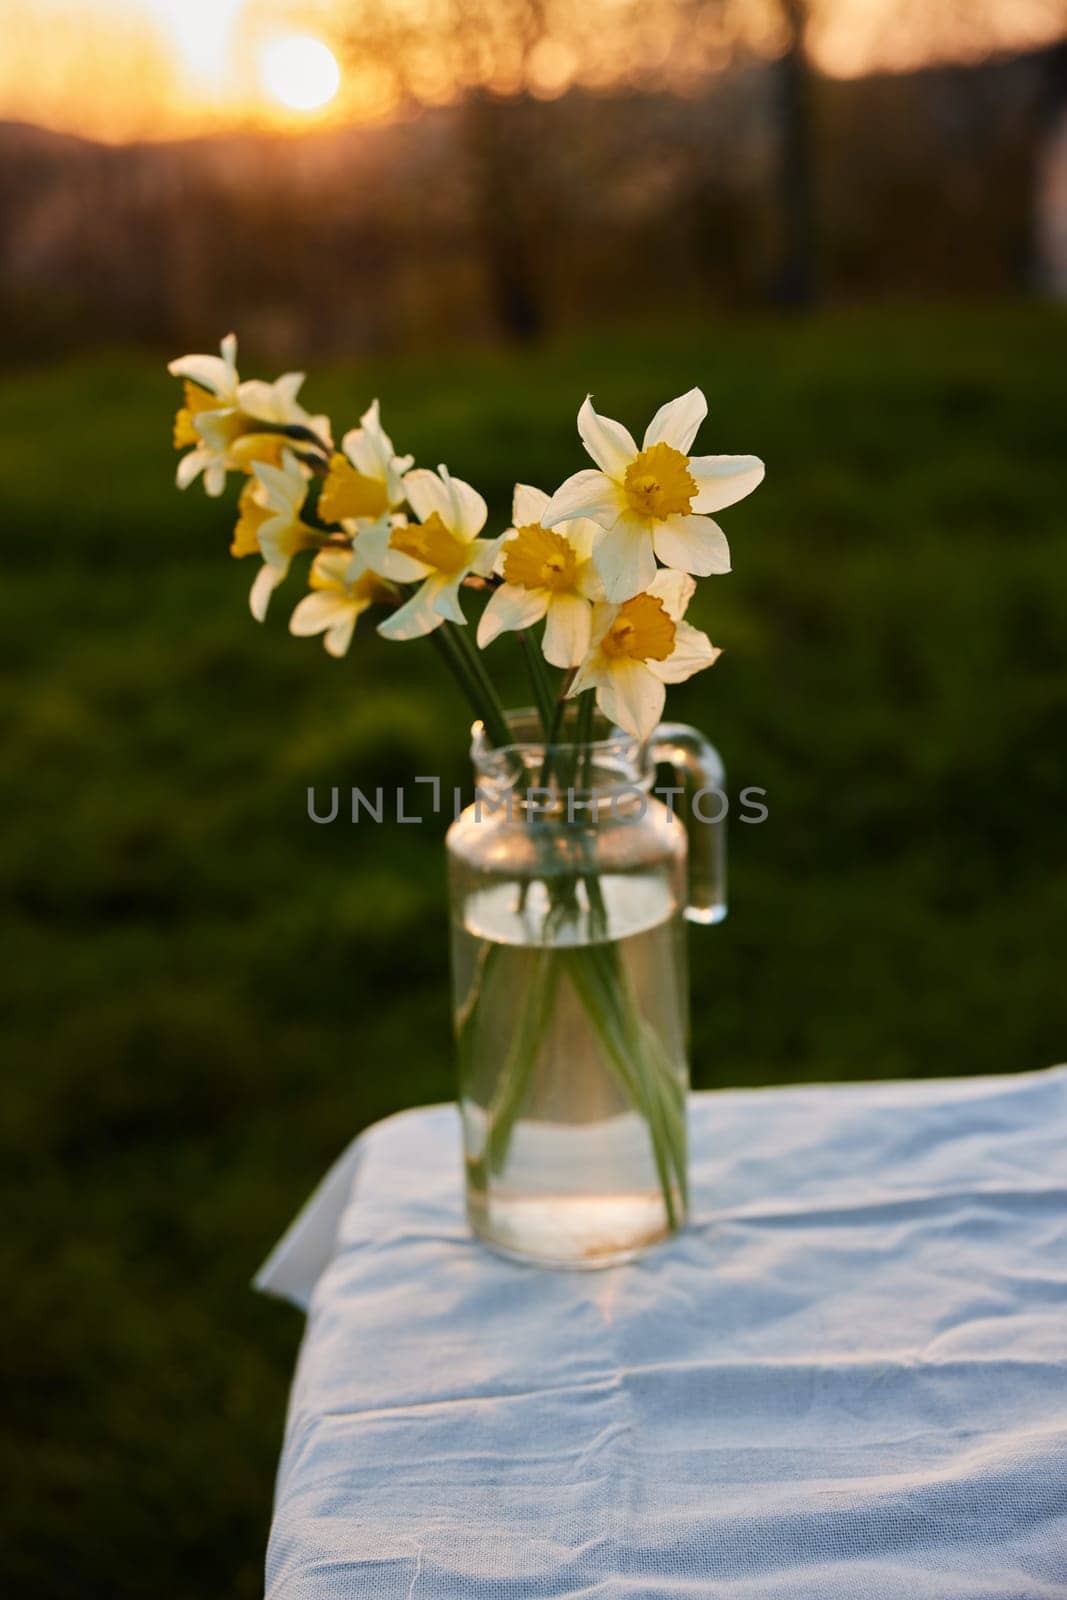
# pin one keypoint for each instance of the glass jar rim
(617, 756)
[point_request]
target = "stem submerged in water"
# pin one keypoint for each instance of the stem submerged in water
(629, 1047)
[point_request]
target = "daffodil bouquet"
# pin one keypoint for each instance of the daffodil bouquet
(566, 958)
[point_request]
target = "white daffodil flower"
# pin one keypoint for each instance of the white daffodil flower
(270, 524)
(236, 438)
(337, 601)
(276, 403)
(280, 532)
(253, 512)
(640, 646)
(215, 376)
(653, 501)
(547, 572)
(211, 385)
(437, 552)
(366, 477)
(229, 422)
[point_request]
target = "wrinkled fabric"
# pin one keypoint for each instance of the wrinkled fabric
(844, 1381)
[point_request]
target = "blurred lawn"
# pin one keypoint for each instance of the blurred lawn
(206, 996)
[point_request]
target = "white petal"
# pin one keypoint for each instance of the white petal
(469, 510)
(275, 547)
(588, 582)
(215, 478)
(369, 449)
(446, 599)
(527, 505)
(417, 617)
(323, 429)
(567, 630)
(267, 580)
(588, 676)
(280, 538)
(257, 399)
(692, 652)
(318, 611)
(426, 494)
(586, 494)
(624, 559)
(723, 480)
(190, 467)
(483, 556)
(677, 422)
(610, 444)
(207, 372)
(510, 607)
(285, 487)
(374, 552)
(287, 387)
(502, 551)
(632, 697)
(692, 544)
(360, 452)
(339, 637)
(603, 616)
(214, 427)
(675, 589)
(582, 535)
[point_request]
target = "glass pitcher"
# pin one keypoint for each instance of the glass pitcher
(570, 883)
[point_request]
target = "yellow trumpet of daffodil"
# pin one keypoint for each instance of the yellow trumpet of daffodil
(365, 480)
(653, 501)
(437, 552)
(638, 647)
(549, 573)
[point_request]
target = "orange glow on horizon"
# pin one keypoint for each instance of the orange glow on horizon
(120, 70)
(157, 69)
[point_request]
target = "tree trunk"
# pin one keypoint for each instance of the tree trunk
(796, 277)
(500, 175)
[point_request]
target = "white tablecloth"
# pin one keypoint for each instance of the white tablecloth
(847, 1380)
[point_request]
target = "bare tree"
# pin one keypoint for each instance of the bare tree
(796, 279)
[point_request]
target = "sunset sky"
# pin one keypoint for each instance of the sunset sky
(121, 69)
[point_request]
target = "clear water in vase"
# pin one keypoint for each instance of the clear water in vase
(573, 1067)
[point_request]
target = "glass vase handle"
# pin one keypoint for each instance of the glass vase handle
(700, 799)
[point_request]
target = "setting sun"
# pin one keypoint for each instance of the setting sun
(300, 72)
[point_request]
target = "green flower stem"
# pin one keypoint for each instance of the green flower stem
(664, 1084)
(597, 989)
(540, 682)
(493, 716)
(662, 1098)
(630, 1048)
(559, 711)
(514, 1078)
(467, 1014)
(583, 737)
(470, 689)
(466, 666)
(652, 1084)
(666, 1095)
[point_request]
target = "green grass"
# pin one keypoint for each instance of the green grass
(206, 996)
